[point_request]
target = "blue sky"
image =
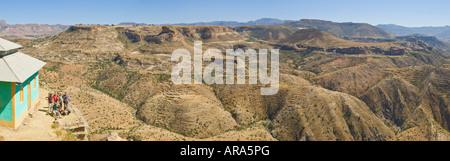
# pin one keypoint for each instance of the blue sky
(401, 12)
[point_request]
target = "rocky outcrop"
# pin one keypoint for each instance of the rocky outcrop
(205, 33)
(165, 35)
(132, 36)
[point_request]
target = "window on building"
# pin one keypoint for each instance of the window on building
(21, 94)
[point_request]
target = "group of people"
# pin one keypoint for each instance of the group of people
(58, 104)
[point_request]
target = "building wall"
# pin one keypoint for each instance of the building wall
(34, 91)
(21, 107)
(5, 101)
(12, 110)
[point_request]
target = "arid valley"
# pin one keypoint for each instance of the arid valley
(338, 82)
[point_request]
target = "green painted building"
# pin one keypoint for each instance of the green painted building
(19, 83)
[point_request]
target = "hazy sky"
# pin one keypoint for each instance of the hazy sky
(401, 12)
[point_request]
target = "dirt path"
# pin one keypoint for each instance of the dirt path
(38, 128)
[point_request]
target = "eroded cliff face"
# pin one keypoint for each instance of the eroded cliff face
(160, 34)
(94, 42)
(313, 40)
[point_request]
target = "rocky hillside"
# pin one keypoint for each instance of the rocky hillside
(319, 38)
(312, 113)
(321, 41)
(431, 40)
(343, 30)
(330, 88)
(29, 31)
(445, 35)
(272, 33)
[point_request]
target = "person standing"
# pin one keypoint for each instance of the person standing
(50, 103)
(66, 101)
(61, 101)
(55, 97)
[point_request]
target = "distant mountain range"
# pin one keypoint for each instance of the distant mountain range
(29, 31)
(272, 29)
(262, 21)
(442, 32)
(346, 30)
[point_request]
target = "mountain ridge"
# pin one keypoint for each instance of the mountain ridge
(346, 30)
(441, 32)
(261, 21)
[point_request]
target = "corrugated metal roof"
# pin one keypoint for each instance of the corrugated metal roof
(18, 67)
(6, 45)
